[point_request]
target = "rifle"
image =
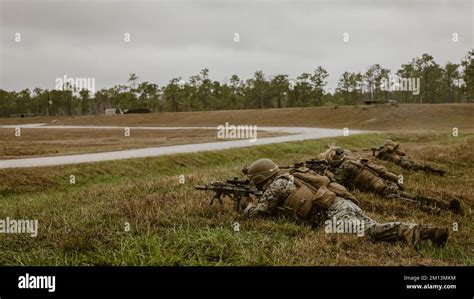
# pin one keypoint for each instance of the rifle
(234, 188)
(318, 166)
(424, 203)
(294, 166)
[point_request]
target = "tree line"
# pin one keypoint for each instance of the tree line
(451, 83)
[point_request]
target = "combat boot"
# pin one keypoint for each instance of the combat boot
(455, 206)
(411, 234)
(437, 235)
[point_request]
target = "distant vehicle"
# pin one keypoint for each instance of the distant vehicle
(139, 110)
(113, 111)
(23, 115)
(392, 101)
(370, 102)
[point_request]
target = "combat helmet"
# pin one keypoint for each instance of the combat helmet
(389, 142)
(261, 170)
(394, 147)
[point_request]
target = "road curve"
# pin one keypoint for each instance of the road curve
(298, 134)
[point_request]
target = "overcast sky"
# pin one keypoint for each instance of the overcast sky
(85, 38)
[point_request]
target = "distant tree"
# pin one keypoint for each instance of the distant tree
(318, 80)
(147, 95)
(204, 89)
(7, 103)
(302, 91)
(449, 83)
(172, 93)
(279, 90)
(23, 101)
(451, 79)
(133, 79)
(349, 86)
(38, 102)
(257, 91)
(406, 71)
(373, 77)
(236, 92)
(431, 78)
(215, 95)
(468, 76)
(84, 94)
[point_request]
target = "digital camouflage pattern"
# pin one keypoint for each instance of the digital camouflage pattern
(357, 173)
(346, 210)
(274, 194)
(278, 190)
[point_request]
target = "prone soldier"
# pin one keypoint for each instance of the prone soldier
(297, 195)
(390, 151)
(358, 173)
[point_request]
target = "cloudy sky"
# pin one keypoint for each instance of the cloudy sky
(85, 38)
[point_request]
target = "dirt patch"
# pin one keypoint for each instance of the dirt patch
(50, 142)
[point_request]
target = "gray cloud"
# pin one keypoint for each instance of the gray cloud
(178, 38)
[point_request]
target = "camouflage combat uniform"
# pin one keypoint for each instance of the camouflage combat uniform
(278, 190)
(360, 174)
(391, 151)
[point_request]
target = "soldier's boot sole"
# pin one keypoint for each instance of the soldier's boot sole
(441, 237)
(438, 236)
(456, 206)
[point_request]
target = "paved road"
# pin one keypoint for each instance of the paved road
(298, 134)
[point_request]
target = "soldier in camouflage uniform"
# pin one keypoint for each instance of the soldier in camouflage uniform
(288, 195)
(390, 151)
(357, 173)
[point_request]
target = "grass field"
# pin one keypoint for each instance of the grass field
(172, 224)
(403, 117)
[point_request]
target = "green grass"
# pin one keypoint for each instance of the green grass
(172, 224)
